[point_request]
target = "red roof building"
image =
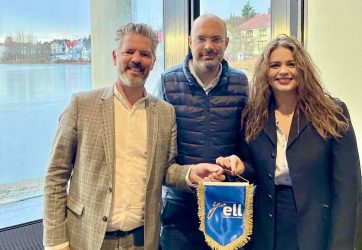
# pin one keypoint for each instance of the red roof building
(255, 33)
(259, 21)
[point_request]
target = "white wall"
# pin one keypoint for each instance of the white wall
(334, 40)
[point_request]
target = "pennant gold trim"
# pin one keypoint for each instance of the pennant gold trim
(248, 216)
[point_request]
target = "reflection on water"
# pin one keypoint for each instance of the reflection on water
(41, 83)
(31, 100)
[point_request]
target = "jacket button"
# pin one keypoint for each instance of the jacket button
(272, 155)
(270, 176)
(270, 197)
(110, 189)
(270, 215)
(104, 218)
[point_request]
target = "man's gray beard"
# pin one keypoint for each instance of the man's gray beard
(138, 82)
(207, 67)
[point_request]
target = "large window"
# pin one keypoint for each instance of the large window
(249, 29)
(45, 56)
(150, 12)
(106, 19)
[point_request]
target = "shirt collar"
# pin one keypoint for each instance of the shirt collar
(213, 82)
(123, 99)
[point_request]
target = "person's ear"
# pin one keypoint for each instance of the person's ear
(226, 42)
(114, 57)
(190, 41)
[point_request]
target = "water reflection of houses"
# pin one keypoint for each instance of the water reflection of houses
(66, 50)
(255, 33)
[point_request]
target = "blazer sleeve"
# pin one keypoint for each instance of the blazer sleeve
(243, 152)
(60, 167)
(346, 184)
(175, 174)
(246, 158)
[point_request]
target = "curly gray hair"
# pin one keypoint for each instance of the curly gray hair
(138, 28)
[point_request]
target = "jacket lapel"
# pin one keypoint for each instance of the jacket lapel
(107, 107)
(152, 131)
(299, 123)
(270, 128)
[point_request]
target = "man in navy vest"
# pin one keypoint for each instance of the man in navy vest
(208, 97)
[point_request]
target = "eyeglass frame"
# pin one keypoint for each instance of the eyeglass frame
(213, 39)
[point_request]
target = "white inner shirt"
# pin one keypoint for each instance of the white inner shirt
(282, 176)
(129, 178)
(209, 85)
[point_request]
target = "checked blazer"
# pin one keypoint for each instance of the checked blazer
(78, 185)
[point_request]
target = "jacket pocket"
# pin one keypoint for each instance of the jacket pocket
(75, 205)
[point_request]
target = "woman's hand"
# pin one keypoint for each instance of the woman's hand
(231, 163)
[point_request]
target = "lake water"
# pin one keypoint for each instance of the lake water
(31, 99)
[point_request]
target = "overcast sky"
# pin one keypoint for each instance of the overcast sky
(45, 19)
(224, 8)
(53, 19)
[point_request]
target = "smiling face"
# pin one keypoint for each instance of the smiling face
(282, 73)
(208, 43)
(133, 60)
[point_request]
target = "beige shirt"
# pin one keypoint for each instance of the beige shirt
(129, 178)
(282, 176)
(210, 85)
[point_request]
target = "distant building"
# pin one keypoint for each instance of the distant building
(73, 50)
(66, 50)
(57, 49)
(255, 33)
(86, 54)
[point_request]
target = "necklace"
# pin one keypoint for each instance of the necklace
(281, 115)
(281, 118)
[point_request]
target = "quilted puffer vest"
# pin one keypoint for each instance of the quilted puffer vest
(208, 125)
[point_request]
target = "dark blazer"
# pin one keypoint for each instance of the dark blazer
(326, 182)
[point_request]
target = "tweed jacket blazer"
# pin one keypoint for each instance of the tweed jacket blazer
(78, 186)
(325, 179)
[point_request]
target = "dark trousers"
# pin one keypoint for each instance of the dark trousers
(180, 226)
(286, 219)
(178, 238)
(124, 240)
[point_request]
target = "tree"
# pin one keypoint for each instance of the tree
(87, 42)
(9, 54)
(247, 11)
(233, 31)
(8, 41)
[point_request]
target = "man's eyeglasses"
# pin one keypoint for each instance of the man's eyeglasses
(213, 39)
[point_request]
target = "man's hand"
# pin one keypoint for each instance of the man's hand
(206, 171)
(231, 163)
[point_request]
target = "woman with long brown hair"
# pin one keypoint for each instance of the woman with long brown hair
(301, 149)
